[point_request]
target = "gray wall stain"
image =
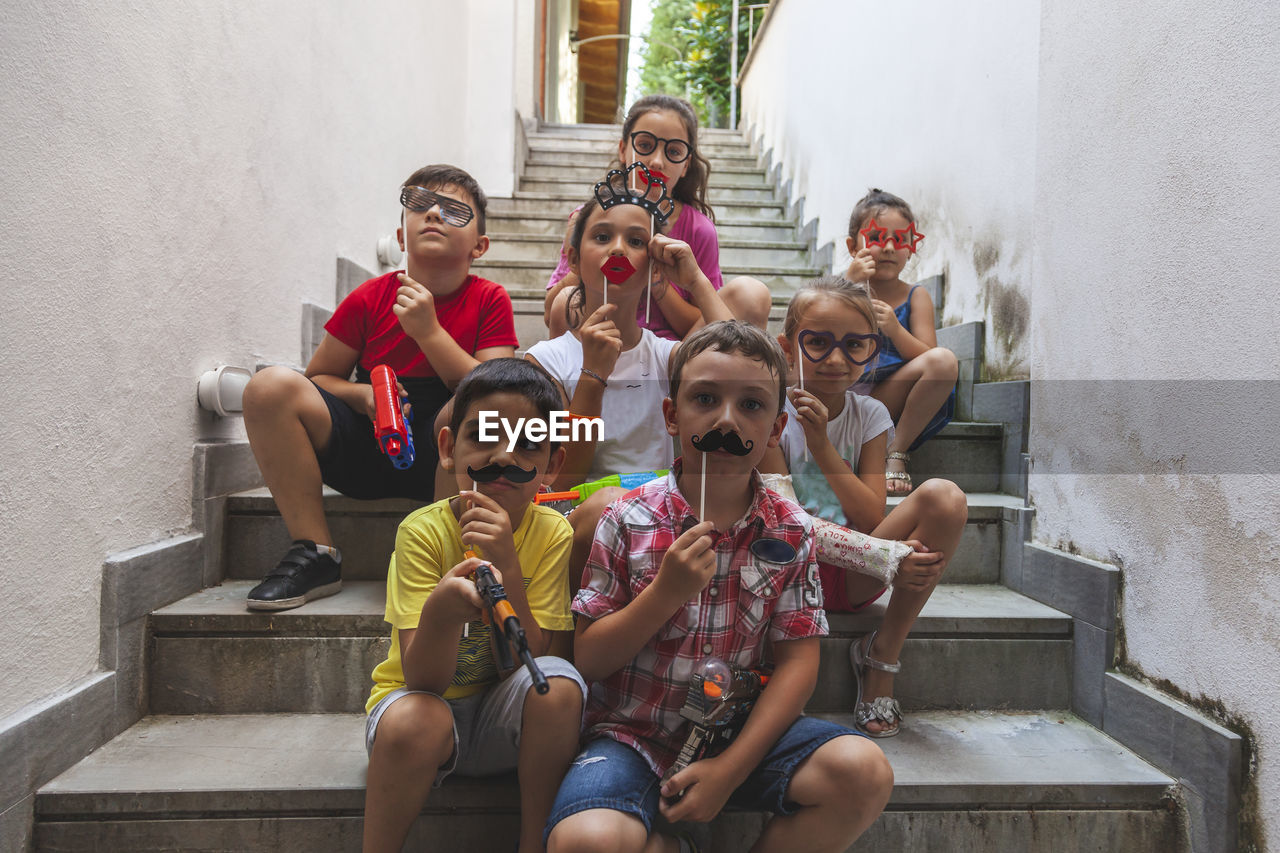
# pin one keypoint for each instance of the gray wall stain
(1010, 311)
(985, 257)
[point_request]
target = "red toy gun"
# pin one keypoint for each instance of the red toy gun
(389, 428)
(719, 699)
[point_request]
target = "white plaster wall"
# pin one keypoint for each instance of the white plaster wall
(1156, 227)
(176, 179)
(936, 104)
(562, 102)
(527, 57)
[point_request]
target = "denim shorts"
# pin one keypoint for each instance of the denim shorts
(612, 775)
(486, 725)
(940, 418)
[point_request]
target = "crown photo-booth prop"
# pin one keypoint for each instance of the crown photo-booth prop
(649, 191)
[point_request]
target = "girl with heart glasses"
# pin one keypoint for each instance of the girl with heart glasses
(833, 449)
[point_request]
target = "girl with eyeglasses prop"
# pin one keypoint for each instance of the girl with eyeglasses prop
(661, 132)
(831, 459)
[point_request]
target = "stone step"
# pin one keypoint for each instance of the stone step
(609, 133)
(612, 131)
(602, 154)
(581, 174)
(366, 531)
(969, 454)
(607, 147)
(534, 273)
(530, 326)
(282, 782)
(783, 255)
(973, 647)
(560, 204)
(553, 222)
(528, 304)
(717, 195)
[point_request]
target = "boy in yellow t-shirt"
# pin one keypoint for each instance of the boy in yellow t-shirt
(439, 703)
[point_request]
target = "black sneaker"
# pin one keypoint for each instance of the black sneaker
(302, 575)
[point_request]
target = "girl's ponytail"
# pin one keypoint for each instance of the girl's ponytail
(876, 201)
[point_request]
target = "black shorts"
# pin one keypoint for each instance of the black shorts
(355, 465)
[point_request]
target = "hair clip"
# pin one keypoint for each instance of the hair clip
(616, 189)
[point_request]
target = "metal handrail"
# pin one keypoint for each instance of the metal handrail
(733, 53)
(575, 42)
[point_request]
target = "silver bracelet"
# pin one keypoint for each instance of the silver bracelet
(596, 376)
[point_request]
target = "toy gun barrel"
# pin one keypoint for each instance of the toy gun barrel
(389, 427)
(552, 497)
(504, 615)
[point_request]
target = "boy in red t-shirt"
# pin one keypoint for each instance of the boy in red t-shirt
(431, 324)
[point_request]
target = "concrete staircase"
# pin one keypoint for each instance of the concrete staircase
(255, 734)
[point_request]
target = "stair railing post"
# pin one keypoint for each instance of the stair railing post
(733, 68)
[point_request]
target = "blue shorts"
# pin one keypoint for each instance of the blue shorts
(612, 775)
(355, 465)
(940, 418)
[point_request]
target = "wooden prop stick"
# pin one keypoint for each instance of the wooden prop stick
(468, 551)
(702, 496)
(800, 366)
(648, 293)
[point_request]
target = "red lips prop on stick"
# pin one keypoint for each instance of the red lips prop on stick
(617, 269)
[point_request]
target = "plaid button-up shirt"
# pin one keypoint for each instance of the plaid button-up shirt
(750, 601)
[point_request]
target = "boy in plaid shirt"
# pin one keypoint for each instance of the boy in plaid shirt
(664, 589)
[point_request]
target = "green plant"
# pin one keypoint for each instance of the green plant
(700, 71)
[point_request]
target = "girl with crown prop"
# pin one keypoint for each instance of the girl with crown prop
(606, 365)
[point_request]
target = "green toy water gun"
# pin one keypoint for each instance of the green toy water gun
(580, 493)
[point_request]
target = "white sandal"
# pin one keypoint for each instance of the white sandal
(883, 709)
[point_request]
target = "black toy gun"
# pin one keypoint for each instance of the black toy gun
(719, 699)
(504, 620)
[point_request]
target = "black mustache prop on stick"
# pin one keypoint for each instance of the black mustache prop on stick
(715, 440)
(710, 442)
(493, 471)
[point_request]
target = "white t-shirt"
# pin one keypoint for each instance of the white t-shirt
(634, 436)
(862, 419)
